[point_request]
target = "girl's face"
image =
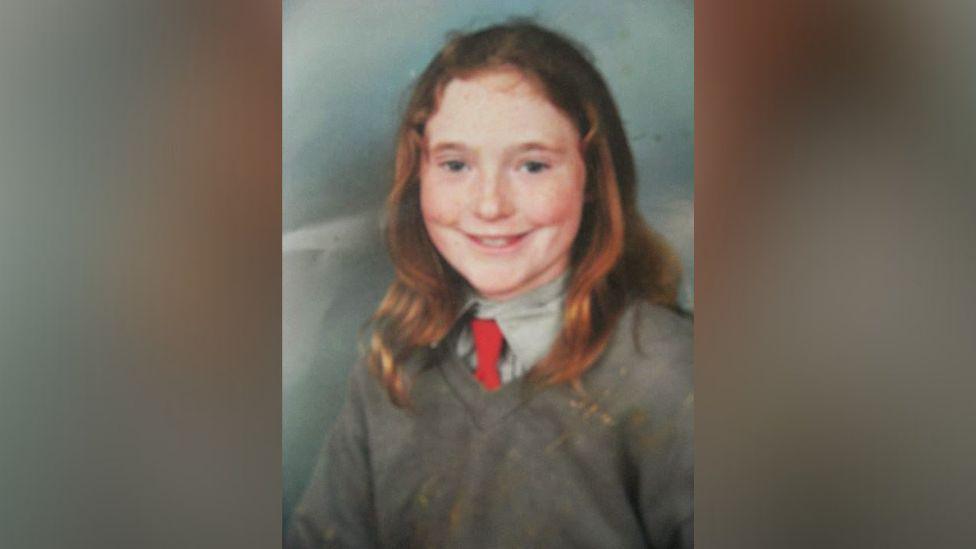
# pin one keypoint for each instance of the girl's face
(501, 183)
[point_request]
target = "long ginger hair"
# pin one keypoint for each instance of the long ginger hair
(615, 260)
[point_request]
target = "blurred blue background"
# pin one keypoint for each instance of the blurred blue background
(347, 69)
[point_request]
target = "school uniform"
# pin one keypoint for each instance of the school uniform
(518, 466)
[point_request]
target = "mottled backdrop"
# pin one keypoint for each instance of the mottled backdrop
(347, 68)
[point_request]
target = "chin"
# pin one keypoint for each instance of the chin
(489, 290)
(494, 288)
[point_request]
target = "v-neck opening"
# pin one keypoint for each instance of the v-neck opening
(485, 408)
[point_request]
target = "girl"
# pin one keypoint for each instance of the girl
(527, 381)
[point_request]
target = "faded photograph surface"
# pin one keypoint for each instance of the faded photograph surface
(348, 75)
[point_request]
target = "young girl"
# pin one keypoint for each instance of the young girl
(527, 379)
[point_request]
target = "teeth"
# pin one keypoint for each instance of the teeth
(496, 242)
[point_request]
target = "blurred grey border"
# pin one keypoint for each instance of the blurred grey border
(140, 274)
(347, 67)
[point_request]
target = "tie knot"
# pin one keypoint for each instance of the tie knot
(488, 346)
(486, 331)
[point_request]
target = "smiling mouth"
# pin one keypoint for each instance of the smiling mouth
(500, 242)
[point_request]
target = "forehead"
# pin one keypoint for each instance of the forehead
(497, 106)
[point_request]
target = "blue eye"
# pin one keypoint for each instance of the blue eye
(535, 167)
(454, 166)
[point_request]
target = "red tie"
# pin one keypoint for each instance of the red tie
(487, 346)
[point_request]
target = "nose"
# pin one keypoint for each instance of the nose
(492, 197)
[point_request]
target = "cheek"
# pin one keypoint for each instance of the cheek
(438, 205)
(556, 206)
(556, 209)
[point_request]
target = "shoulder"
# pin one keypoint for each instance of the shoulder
(649, 358)
(368, 396)
(652, 333)
(657, 329)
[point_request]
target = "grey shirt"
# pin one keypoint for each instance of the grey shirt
(520, 466)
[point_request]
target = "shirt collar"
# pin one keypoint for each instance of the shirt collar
(530, 322)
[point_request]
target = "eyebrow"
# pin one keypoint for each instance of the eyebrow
(447, 146)
(538, 146)
(521, 147)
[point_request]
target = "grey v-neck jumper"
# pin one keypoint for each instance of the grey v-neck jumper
(517, 467)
